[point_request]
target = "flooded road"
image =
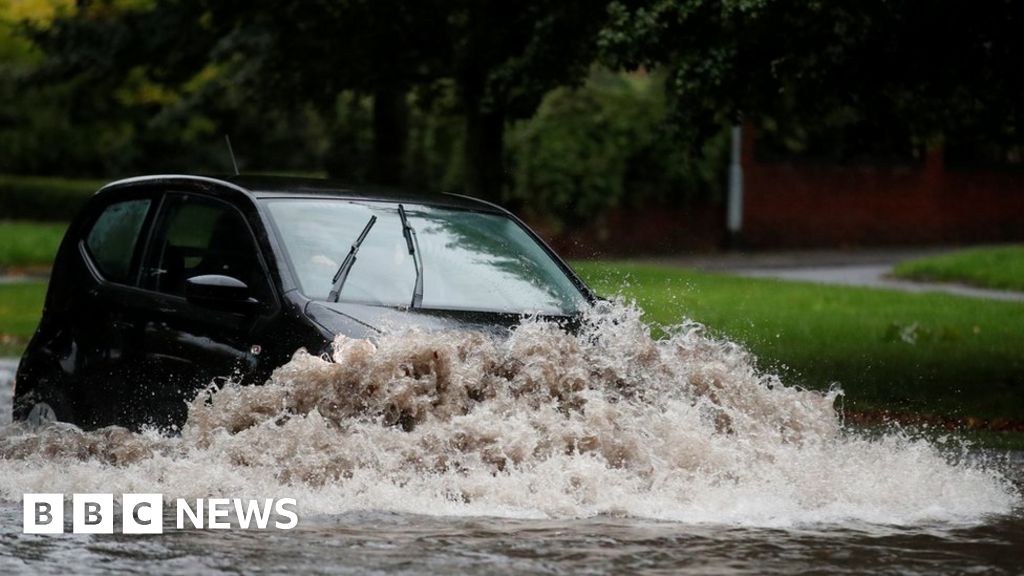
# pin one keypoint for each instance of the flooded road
(606, 451)
(360, 543)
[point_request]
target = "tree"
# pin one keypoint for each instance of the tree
(605, 145)
(501, 58)
(505, 57)
(318, 48)
(143, 95)
(280, 56)
(939, 67)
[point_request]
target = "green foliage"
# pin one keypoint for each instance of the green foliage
(351, 142)
(960, 356)
(155, 98)
(605, 145)
(114, 88)
(932, 68)
(47, 199)
(28, 244)
(434, 159)
(999, 267)
(586, 151)
(33, 121)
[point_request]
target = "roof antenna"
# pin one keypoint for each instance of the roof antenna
(231, 153)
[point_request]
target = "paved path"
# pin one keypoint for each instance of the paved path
(6, 278)
(874, 276)
(869, 268)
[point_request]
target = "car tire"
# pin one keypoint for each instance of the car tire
(45, 405)
(41, 414)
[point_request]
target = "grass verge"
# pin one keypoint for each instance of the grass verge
(889, 351)
(29, 244)
(1000, 267)
(20, 307)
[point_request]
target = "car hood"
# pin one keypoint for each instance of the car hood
(365, 321)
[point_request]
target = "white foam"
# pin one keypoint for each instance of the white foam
(541, 424)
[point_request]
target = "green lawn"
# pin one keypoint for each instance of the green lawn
(26, 244)
(924, 353)
(20, 307)
(999, 267)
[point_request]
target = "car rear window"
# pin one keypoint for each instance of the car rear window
(114, 236)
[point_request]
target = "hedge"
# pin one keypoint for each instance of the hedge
(44, 199)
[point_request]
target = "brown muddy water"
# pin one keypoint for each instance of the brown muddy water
(602, 452)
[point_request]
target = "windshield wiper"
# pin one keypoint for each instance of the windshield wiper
(342, 274)
(414, 244)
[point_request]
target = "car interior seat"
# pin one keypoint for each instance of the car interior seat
(231, 252)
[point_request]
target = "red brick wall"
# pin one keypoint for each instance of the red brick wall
(648, 231)
(800, 205)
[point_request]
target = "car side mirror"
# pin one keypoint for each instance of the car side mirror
(216, 291)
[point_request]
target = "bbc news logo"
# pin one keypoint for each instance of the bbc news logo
(144, 513)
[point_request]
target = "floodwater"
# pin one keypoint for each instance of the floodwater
(601, 452)
(374, 542)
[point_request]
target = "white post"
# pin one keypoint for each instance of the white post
(734, 204)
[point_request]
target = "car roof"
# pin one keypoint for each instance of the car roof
(262, 187)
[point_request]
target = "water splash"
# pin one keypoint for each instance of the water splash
(541, 423)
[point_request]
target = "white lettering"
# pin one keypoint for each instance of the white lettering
(246, 515)
(218, 508)
(144, 513)
(279, 506)
(185, 510)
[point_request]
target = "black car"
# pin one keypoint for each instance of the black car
(166, 284)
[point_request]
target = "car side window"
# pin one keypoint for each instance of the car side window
(113, 239)
(199, 237)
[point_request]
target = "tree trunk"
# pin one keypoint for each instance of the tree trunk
(484, 152)
(390, 135)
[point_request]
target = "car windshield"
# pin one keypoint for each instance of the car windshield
(470, 260)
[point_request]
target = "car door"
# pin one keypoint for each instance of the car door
(190, 345)
(107, 347)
